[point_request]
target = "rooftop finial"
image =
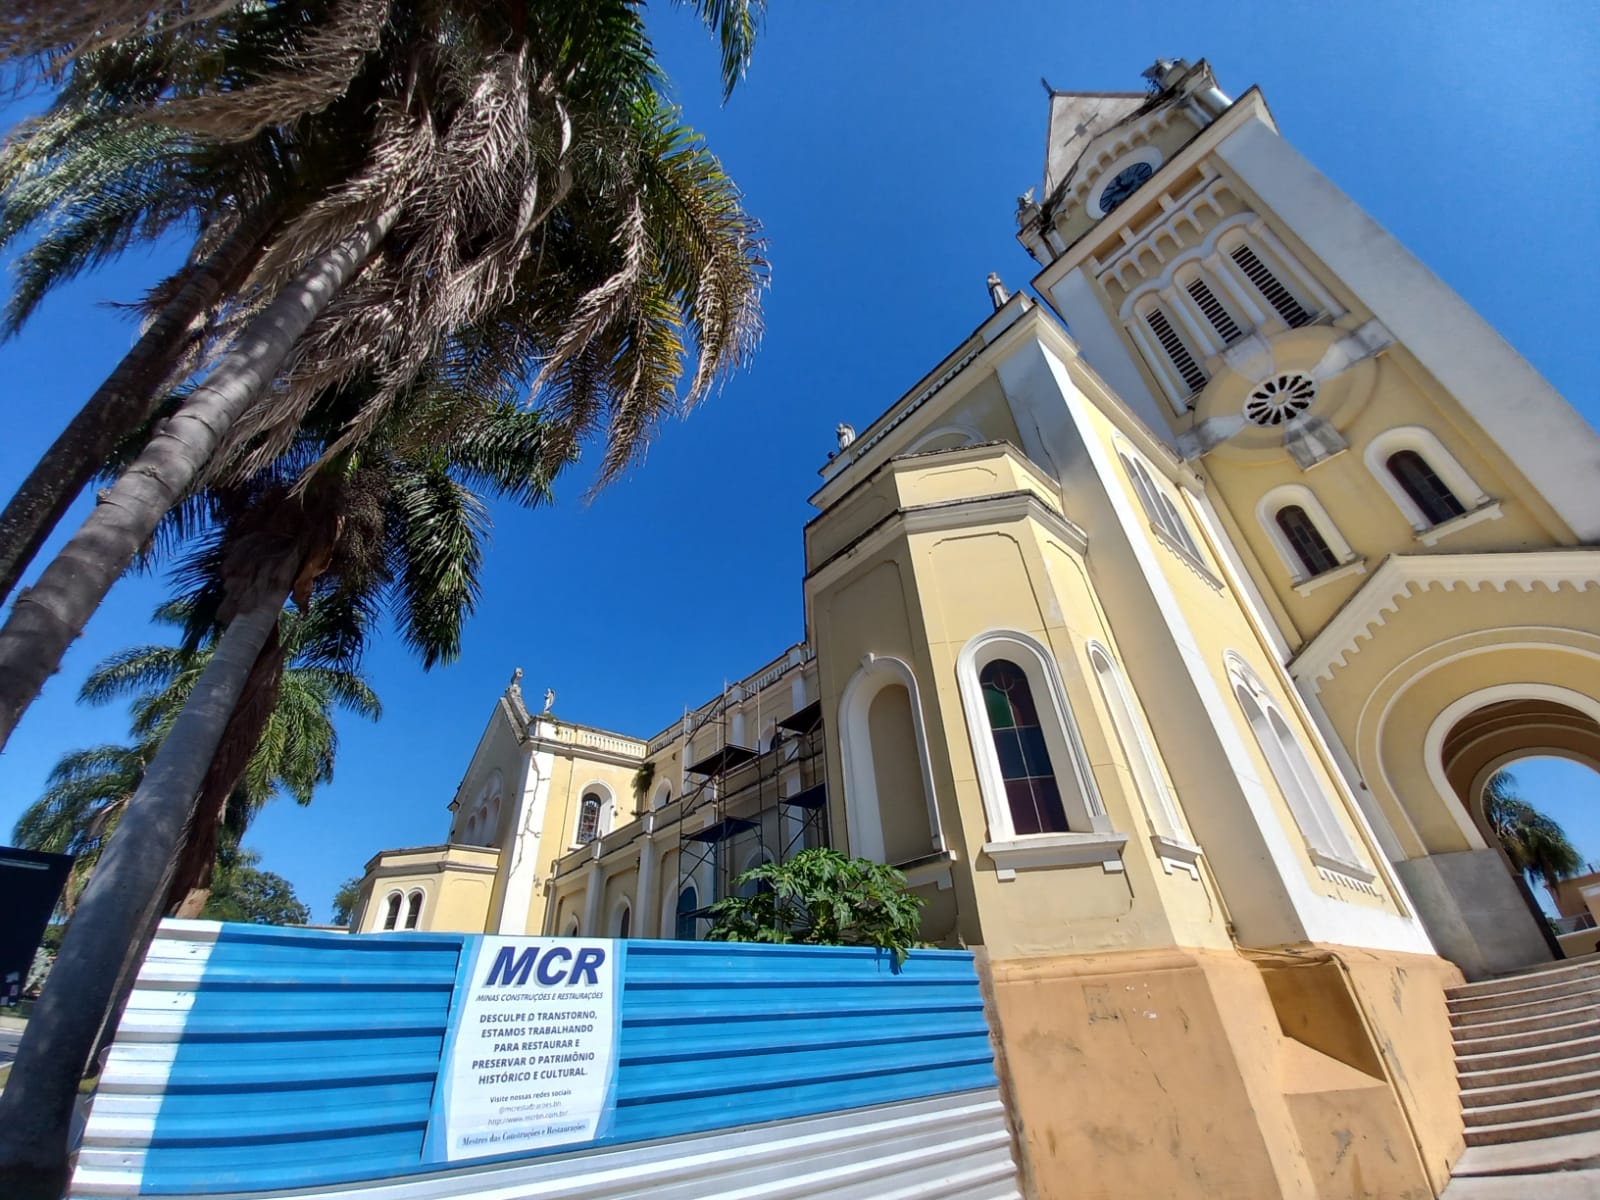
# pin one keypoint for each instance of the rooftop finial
(997, 290)
(846, 434)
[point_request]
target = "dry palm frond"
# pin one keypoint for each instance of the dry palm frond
(60, 29)
(311, 75)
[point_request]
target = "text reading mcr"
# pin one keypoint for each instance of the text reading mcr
(551, 966)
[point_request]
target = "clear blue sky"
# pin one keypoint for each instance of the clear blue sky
(883, 145)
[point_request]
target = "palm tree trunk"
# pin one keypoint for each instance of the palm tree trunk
(47, 617)
(116, 916)
(126, 399)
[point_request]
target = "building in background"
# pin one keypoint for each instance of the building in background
(1169, 657)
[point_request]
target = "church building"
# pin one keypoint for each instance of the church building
(1165, 635)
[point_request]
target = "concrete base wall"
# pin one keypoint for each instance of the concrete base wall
(1319, 1073)
(1473, 912)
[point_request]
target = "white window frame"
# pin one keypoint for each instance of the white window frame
(1195, 269)
(417, 897)
(1155, 355)
(670, 925)
(1297, 494)
(1092, 840)
(1168, 833)
(863, 811)
(1476, 502)
(1328, 844)
(1166, 518)
(393, 906)
(662, 795)
(621, 907)
(1249, 230)
(608, 808)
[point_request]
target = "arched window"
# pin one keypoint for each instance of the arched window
(391, 913)
(624, 921)
(1297, 781)
(1159, 506)
(1306, 540)
(1151, 783)
(1175, 348)
(589, 818)
(573, 927)
(1032, 794)
(663, 795)
(688, 903)
(413, 909)
(1212, 308)
(1272, 289)
(1432, 496)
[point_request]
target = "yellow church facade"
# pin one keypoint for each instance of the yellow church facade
(1168, 657)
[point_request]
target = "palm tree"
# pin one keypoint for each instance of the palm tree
(1536, 844)
(88, 790)
(496, 129)
(395, 526)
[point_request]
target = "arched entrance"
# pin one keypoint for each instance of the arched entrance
(1481, 735)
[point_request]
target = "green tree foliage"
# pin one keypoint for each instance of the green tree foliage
(1535, 843)
(821, 897)
(88, 790)
(242, 891)
(345, 901)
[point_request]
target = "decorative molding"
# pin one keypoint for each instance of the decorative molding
(1055, 850)
(1176, 855)
(1401, 576)
(1352, 566)
(1484, 512)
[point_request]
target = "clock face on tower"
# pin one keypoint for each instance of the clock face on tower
(1125, 183)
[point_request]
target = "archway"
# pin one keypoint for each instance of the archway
(1545, 729)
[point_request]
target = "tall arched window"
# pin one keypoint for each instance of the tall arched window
(413, 909)
(1272, 289)
(1297, 781)
(1306, 540)
(589, 818)
(1175, 348)
(688, 902)
(624, 920)
(1032, 794)
(1421, 482)
(391, 913)
(1212, 308)
(1151, 783)
(1158, 506)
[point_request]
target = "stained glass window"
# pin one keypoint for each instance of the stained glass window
(1032, 793)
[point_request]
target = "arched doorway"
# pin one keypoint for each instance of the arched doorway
(1551, 732)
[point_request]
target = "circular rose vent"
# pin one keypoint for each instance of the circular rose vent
(1280, 399)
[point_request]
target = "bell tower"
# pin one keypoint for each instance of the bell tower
(1413, 506)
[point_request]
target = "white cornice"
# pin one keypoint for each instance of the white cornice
(1404, 575)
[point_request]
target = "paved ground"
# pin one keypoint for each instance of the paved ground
(8, 1046)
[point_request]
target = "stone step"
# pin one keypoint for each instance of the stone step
(1547, 1088)
(1542, 1068)
(1538, 1054)
(1526, 1004)
(1526, 1023)
(1540, 976)
(1587, 1121)
(1535, 1109)
(1580, 1184)
(1486, 1039)
(1507, 1160)
(1580, 985)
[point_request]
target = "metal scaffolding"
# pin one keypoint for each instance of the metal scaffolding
(744, 805)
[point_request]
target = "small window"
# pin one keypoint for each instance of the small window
(1159, 507)
(1421, 482)
(588, 819)
(625, 922)
(1032, 794)
(1183, 361)
(391, 914)
(1270, 286)
(1306, 540)
(688, 903)
(1215, 312)
(413, 910)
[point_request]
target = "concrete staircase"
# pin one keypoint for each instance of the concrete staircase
(1528, 1058)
